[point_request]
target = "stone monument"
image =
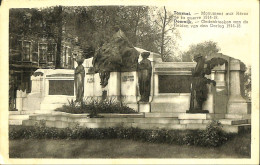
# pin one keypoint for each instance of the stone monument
(113, 57)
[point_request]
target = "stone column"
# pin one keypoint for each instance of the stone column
(219, 74)
(36, 84)
(209, 104)
(236, 104)
(156, 85)
(19, 100)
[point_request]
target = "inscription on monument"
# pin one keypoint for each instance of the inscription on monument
(128, 78)
(90, 80)
(61, 87)
(174, 84)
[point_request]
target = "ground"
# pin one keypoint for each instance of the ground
(239, 147)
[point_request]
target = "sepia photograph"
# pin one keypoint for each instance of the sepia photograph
(130, 81)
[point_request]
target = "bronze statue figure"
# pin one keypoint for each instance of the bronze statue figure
(79, 76)
(199, 90)
(144, 77)
(104, 77)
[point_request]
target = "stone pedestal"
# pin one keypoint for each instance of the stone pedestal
(89, 85)
(37, 83)
(176, 98)
(113, 86)
(196, 116)
(19, 99)
(97, 87)
(209, 104)
(129, 89)
(219, 74)
(236, 103)
(172, 102)
(144, 107)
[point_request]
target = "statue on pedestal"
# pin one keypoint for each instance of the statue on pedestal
(199, 90)
(144, 77)
(79, 75)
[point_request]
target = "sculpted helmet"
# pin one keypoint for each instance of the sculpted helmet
(145, 54)
(79, 59)
(197, 56)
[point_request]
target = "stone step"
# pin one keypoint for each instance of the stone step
(233, 122)
(84, 118)
(28, 112)
(50, 107)
(64, 124)
(15, 122)
(111, 115)
(18, 117)
(189, 126)
(164, 115)
(200, 116)
(238, 116)
(14, 112)
(24, 112)
(236, 128)
(157, 120)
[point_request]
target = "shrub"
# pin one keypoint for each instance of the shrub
(94, 106)
(213, 136)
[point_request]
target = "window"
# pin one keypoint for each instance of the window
(42, 52)
(51, 52)
(26, 51)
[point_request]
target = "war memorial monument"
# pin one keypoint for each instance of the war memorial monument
(165, 95)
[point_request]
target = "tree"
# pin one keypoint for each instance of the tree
(206, 48)
(168, 33)
(96, 23)
(247, 82)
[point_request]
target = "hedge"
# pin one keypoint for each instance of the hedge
(212, 136)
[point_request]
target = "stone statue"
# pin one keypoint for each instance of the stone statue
(199, 90)
(144, 77)
(79, 76)
(115, 55)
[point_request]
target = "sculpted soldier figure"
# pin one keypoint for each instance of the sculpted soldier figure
(144, 77)
(199, 90)
(79, 76)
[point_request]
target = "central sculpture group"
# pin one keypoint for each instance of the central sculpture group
(119, 55)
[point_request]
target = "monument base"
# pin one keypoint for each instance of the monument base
(197, 111)
(144, 107)
(239, 108)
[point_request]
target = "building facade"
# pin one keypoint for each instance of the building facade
(30, 50)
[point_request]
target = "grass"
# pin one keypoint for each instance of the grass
(238, 147)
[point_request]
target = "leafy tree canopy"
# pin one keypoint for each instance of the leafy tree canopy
(207, 48)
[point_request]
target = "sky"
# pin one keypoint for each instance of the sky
(234, 42)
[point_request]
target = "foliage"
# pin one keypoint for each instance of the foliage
(168, 34)
(94, 25)
(95, 106)
(207, 48)
(247, 83)
(213, 136)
